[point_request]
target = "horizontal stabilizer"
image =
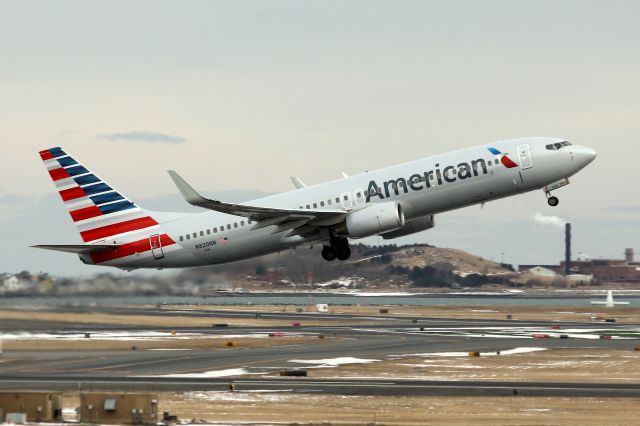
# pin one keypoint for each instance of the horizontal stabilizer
(78, 248)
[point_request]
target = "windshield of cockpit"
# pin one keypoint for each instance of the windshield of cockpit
(557, 145)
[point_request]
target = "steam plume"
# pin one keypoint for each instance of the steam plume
(549, 220)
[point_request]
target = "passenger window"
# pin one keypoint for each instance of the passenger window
(195, 235)
(329, 201)
(321, 203)
(235, 224)
(202, 233)
(315, 205)
(229, 226)
(215, 230)
(208, 231)
(308, 207)
(181, 238)
(188, 237)
(242, 223)
(346, 197)
(337, 200)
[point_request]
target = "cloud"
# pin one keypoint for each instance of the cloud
(549, 220)
(12, 199)
(13, 205)
(137, 136)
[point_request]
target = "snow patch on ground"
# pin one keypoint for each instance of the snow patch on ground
(513, 351)
(333, 362)
(390, 294)
(210, 374)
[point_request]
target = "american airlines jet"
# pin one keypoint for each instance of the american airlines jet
(390, 202)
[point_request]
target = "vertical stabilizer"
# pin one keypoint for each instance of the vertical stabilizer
(101, 214)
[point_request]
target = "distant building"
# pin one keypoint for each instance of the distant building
(580, 278)
(11, 284)
(625, 270)
(542, 271)
(607, 270)
(524, 268)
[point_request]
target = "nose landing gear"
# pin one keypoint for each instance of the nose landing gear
(553, 201)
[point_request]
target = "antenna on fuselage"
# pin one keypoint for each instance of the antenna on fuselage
(297, 182)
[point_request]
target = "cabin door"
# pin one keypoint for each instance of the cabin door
(525, 156)
(156, 246)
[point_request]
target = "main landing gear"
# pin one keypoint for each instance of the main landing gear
(338, 249)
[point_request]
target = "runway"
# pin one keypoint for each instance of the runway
(377, 337)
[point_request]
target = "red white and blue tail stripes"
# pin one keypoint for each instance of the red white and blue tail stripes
(99, 212)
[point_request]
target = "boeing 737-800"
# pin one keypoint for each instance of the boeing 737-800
(390, 202)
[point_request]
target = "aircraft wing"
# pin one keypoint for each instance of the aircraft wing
(77, 248)
(265, 216)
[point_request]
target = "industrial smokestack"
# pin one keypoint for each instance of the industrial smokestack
(567, 253)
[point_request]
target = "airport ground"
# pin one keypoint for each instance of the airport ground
(546, 365)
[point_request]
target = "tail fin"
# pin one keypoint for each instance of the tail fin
(98, 211)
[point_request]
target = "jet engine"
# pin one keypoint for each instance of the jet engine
(411, 227)
(375, 219)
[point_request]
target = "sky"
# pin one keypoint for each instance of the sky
(239, 95)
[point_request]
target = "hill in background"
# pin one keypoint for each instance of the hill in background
(386, 267)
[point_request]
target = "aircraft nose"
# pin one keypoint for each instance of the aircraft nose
(584, 155)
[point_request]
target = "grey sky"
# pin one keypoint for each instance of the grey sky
(262, 90)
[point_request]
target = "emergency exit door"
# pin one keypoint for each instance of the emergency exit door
(156, 246)
(525, 156)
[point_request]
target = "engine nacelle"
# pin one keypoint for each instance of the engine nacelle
(375, 219)
(411, 227)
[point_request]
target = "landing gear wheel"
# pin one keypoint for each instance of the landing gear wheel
(328, 253)
(344, 253)
(553, 201)
(339, 246)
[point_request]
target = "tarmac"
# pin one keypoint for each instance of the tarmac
(380, 336)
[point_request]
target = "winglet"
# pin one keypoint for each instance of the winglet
(189, 194)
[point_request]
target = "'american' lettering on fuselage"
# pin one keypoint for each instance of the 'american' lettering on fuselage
(418, 182)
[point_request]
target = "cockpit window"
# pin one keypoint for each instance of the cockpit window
(558, 145)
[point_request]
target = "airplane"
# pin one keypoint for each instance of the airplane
(390, 202)
(609, 302)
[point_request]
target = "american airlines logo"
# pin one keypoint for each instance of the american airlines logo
(438, 176)
(504, 158)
